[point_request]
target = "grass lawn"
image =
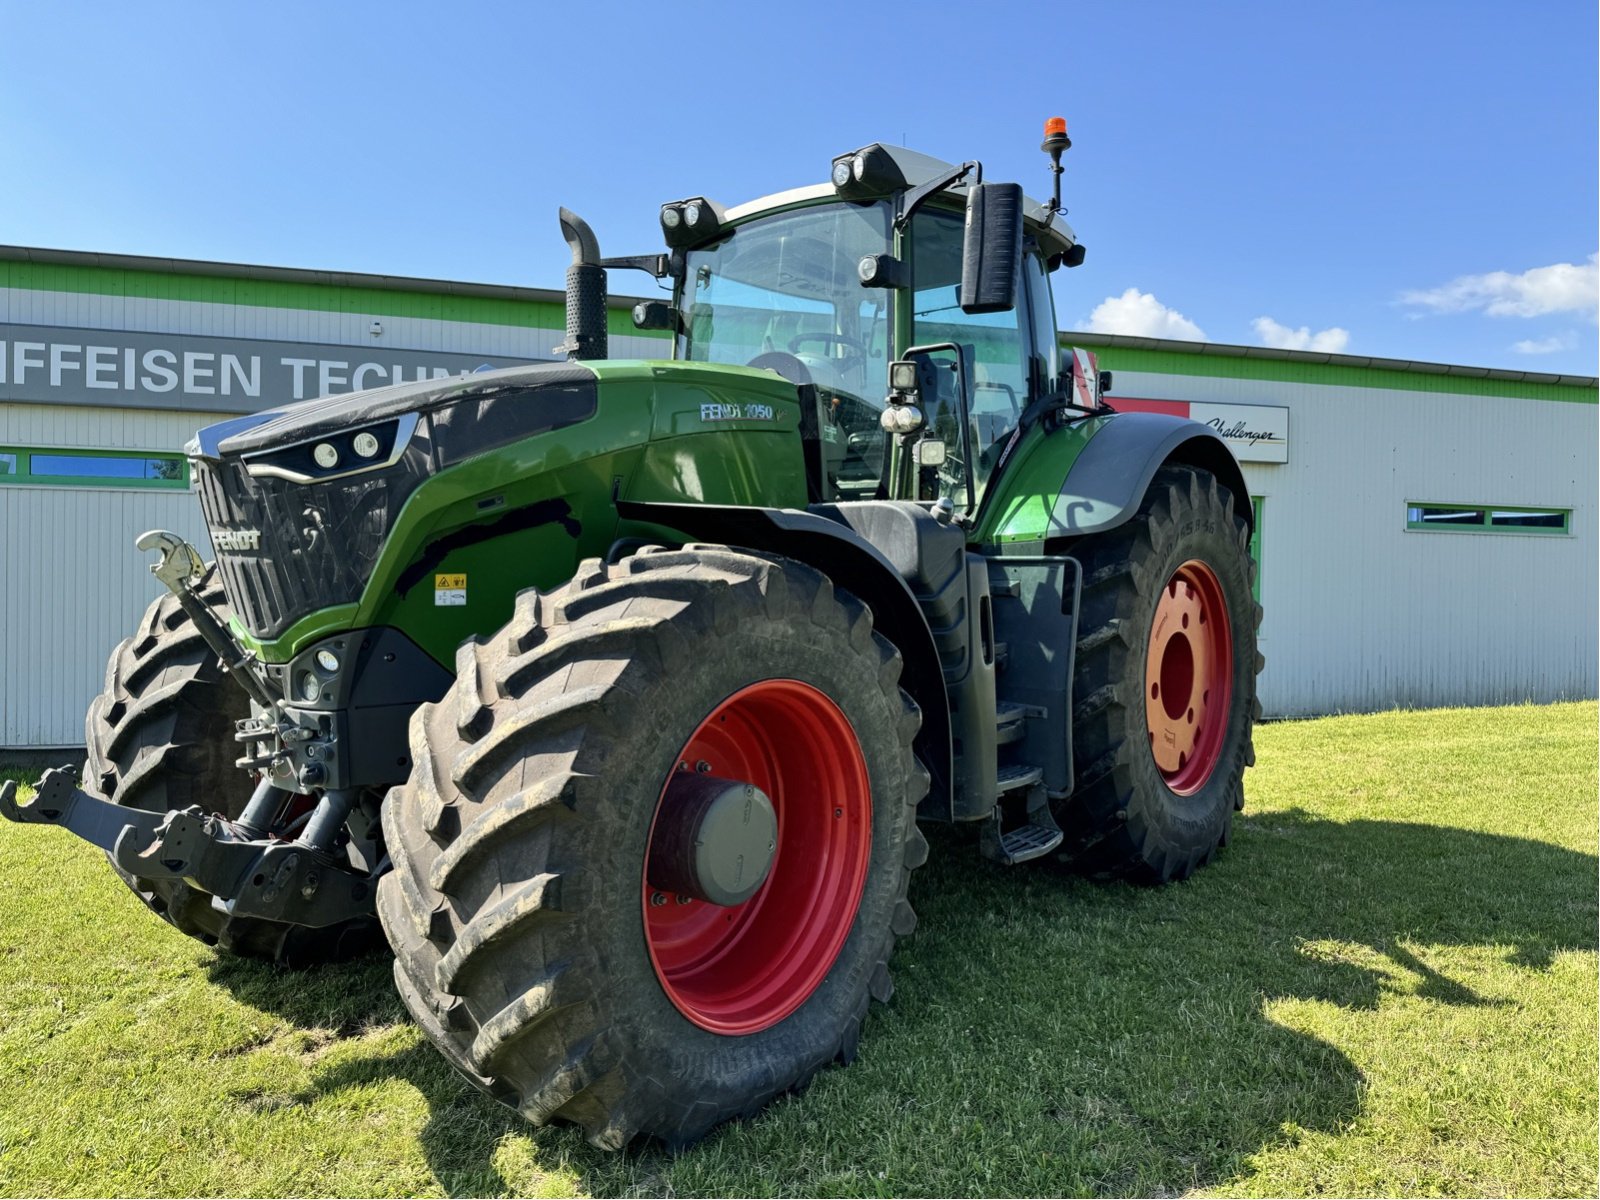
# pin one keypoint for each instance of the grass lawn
(1385, 984)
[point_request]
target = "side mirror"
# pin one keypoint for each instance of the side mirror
(655, 314)
(991, 248)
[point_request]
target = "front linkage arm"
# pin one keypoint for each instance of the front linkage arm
(257, 877)
(253, 874)
(179, 567)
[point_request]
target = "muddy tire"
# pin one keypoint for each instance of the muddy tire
(1164, 693)
(160, 737)
(535, 945)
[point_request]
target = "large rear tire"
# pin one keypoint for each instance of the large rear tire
(533, 943)
(1164, 685)
(160, 737)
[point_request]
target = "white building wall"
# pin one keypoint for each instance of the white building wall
(1363, 614)
(71, 584)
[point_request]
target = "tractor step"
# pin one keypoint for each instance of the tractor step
(1018, 775)
(1028, 842)
(1036, 836)
(1010, 722)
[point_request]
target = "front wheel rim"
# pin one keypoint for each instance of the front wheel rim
(1188, 683)
(742, 969)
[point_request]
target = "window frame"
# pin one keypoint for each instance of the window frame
(23, 476)
(1487, 525)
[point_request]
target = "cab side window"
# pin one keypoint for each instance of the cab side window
(998, 344)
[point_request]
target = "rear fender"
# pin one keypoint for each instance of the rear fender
(858, 567)
(1107, 482)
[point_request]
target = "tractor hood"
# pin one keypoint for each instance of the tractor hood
(300, 500)
(345, 415)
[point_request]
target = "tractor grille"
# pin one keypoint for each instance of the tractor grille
(317, 542)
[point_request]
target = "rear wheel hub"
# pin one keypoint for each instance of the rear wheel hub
(1188, 679)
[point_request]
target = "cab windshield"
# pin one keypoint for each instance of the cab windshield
(782, 292)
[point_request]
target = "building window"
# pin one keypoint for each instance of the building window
(1258, 505)
(93, 468)
(1487, 518)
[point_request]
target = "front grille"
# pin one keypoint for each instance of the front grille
(317, 542)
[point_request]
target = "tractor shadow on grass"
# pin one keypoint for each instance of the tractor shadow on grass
(1055, 1035)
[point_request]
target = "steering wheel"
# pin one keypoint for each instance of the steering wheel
(830, 339)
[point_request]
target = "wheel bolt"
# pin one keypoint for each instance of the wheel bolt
(685, 899)
(703, 767)
(657, 899)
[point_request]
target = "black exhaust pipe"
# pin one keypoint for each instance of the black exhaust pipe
(586, 292)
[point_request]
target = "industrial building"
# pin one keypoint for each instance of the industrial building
(1426, 533)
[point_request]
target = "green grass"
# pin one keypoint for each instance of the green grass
(1386, 984)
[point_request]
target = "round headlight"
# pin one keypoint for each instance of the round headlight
(328, 661)
(310, 687)
(858, 166)
(841, 172)
(670, 217)
(901, 418)
(366, 445)
(326, 455)
(691, 214)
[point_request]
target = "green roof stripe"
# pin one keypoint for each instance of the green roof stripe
(1279, 370)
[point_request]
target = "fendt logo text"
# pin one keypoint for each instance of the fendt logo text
(236, 539)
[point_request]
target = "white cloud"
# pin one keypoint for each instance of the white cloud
(1281, 337)
(1560, 287)
(1142, 315)
(1549, 345)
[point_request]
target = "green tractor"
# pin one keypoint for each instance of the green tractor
(612, 693)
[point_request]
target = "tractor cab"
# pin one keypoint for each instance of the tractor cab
(901, 258)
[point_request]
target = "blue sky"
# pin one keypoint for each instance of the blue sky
(1408, 180)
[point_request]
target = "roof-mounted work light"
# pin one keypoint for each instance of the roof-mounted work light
(692, 222)
(866, 173)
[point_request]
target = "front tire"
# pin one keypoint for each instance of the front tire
(1164, 689)
(530, 944)
(160, 737)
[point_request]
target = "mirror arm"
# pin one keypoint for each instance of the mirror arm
(917, 196)
(659, 265)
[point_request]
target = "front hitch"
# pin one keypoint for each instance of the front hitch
(279, 880)
(179, 568)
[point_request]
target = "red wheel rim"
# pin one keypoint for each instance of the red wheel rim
(742, 969)
(1188, 677)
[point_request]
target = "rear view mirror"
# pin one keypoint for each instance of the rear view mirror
(991, 248)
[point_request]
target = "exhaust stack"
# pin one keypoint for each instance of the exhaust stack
(586, 292)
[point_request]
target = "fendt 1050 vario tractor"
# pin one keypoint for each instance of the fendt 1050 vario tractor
(614, 691)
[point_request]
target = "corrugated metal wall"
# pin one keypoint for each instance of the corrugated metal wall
(1362, 614)
(71, 584)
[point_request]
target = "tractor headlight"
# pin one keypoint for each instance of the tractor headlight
(671, 217)
(328, 661)
(901, 418)
(365, 444)
(310, 687)
(325, 455)
(691, 215)
(841, 172)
